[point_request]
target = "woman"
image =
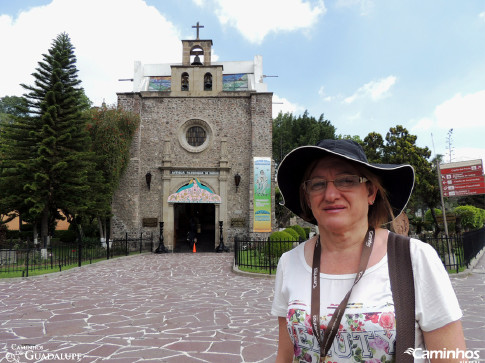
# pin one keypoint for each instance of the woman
(332, 185)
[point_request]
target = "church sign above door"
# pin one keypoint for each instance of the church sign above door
(194, 172)
(194, 192)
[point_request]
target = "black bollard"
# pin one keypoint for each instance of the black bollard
(161, 247)
(221, 247)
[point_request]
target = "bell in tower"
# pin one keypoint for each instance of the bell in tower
(196, 61)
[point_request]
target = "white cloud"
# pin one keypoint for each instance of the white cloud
(374, 90)
(108, 39)
(281, 104)
(458, 112)
(422, 124)
(463, 111)
(464, 114)
(482, 15)
(255, 19)
(468, 153)
(324, 96)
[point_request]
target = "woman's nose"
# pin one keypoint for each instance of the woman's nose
(330, 191)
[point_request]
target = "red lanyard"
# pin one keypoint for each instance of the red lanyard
(325, 342)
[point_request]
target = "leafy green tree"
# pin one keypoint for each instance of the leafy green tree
(399, 147)
(111, 130)
(290, 132)
(46, 153)
(373, 146)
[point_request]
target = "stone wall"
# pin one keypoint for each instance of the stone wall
(240, 125)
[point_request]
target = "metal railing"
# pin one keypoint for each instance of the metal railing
(456, 252)
(473, 243)
(450, 250)
(26, 257)
(260, 256)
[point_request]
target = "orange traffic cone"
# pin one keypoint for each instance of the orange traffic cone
(194, 250)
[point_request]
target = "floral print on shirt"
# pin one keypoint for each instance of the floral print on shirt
(367, 337)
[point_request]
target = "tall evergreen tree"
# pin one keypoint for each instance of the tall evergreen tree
(47, 158)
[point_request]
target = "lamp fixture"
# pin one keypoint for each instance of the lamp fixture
(148, 178)
(237, 180)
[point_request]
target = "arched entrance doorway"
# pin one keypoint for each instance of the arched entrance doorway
(194, 210)
(194, 220)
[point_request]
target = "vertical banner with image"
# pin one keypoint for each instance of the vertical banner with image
(262, 194)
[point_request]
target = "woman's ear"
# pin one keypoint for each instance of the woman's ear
(372, 191)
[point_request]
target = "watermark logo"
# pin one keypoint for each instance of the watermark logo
(22, 353)
(444, 354)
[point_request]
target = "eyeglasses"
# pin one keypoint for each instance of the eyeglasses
(342, 183)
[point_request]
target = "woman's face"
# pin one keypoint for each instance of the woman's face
(339, 210)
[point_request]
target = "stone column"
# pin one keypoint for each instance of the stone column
(223, 179)
(166, 212)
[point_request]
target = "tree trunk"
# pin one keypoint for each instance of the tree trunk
(44, 226)
(102, 229)
(437, 230)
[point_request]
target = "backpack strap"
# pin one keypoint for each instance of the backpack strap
(402, 287)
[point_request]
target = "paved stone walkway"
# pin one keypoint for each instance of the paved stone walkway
(160, 308)
(470, 289)
(163, 308)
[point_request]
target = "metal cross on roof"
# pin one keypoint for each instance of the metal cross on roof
(197, 26)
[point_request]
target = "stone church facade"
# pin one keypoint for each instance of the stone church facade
(193, 161)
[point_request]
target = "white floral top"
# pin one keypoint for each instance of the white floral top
(368, 329)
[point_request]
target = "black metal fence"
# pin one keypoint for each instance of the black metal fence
(456, 252)
(260, 256)
(473, 243)
(26, 257)
(450, 250)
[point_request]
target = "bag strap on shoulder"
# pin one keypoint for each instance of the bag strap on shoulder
(402, 287)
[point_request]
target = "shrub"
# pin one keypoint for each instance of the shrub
(301, 232)
(280, 236)
(470, 217)
(279, 242)
(66, 235)
(307, 232)
(294, 234)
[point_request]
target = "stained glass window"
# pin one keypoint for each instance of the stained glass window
(196, 136)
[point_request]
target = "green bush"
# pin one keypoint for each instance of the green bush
(428, 218)
(301, 232)
(280, 236)
(470, 217)
(294, 234)
(66, 235)
(307, 232)
(279, 242)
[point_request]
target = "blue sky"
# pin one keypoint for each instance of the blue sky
(367, 65)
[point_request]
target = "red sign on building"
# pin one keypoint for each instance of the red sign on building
(462, 178)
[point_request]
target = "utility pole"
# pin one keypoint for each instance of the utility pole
(445, 223)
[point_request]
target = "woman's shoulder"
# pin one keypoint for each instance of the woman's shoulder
(419, 247)
(295, 253)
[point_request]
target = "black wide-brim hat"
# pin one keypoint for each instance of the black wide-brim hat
(397, 180)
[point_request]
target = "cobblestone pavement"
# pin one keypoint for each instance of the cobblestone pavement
(160, 308)
(470, 289)
(163, 308)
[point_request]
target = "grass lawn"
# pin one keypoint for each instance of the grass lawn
(44, 271)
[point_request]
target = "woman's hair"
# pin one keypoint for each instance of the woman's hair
(380, 212)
